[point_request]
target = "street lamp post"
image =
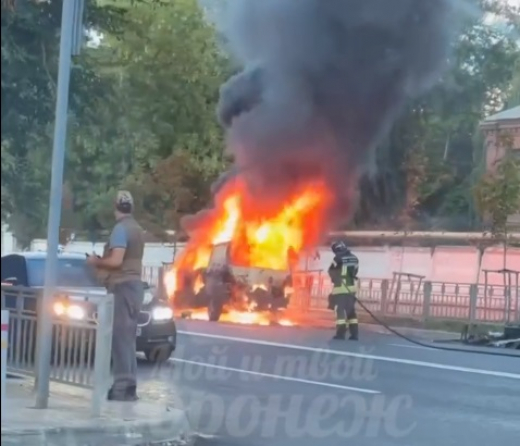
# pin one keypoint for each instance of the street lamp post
(70, 43)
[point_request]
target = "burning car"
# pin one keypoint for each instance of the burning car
(239, 260)
(225, 284)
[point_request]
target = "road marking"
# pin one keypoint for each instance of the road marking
(280, 377)
(205, 436)
(431, 365)
(411, 346)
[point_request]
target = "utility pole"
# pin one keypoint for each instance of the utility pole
(71, 39)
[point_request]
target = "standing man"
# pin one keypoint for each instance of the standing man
(343, 274)
(122, 265)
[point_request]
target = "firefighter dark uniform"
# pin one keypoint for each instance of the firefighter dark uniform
(343, 274)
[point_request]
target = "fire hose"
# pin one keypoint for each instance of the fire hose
(424, 344)
(241, 170)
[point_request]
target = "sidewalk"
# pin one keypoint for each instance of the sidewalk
(67, 421)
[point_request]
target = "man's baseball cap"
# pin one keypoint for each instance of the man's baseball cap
(124, 202)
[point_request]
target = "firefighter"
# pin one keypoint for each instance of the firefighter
(343, 274)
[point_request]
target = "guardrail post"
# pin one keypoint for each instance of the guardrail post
(103, 353)
(160, 284)
(39, 309)
(516, 307)
(384, 296)
(5, 340)
(427, 300)
(507, 304)
(473, 296)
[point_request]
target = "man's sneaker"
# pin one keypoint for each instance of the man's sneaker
(128, 395)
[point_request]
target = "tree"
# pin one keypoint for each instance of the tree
(30, 48)
(148, 91)
(497, 195)
(169, 61)
(437, 139)
(514, 93)
(142, 105)
(159, 132)
(179, 185)
(8, 168)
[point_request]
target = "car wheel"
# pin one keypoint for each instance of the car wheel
(159, 354)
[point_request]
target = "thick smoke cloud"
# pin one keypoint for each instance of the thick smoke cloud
(322, 82)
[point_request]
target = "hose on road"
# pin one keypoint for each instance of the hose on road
(426, 345)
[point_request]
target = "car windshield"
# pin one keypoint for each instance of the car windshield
(71, 273)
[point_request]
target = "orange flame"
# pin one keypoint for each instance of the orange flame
(241, 318)
(263, 235)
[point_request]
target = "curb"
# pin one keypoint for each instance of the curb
(171, 429)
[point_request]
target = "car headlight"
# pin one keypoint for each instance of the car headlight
(75, 312)
(162, 314)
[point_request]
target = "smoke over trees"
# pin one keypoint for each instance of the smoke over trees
(322, 83)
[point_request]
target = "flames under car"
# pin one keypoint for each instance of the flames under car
(226, 286)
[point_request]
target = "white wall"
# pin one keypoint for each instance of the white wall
(451, 264)
(8, 241)
(454, 264)
(155, 254)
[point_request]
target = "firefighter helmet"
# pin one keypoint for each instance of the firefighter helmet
(338, 247)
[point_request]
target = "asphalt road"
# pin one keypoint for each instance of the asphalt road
(290, 386)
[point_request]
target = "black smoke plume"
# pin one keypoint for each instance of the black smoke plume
(322, 82)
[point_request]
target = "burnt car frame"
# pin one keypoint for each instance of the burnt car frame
(227, 284)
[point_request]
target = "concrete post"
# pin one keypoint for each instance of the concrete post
(102, 353)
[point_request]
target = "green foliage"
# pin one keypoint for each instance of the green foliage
(30, 49)
(429, 164)
(170, 63)
(514, 93)
(166, 70)
(498, 194)
(142, 116)
(8, 169)
(147, 92)
(179, 185)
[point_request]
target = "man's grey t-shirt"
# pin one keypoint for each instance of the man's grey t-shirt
(119, 237)
(128, 235)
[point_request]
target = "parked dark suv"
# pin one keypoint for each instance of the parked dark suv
(156, 333)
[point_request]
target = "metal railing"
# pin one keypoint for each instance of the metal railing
(5, 331)
(407, 296)
(81, 338)
(419, 299)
